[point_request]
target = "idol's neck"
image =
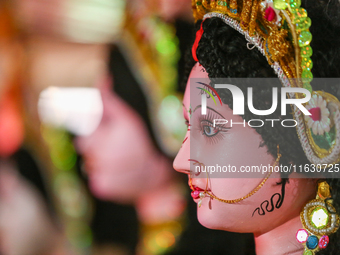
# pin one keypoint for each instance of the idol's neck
(281, 240)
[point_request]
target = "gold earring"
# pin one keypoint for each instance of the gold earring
(319, 219)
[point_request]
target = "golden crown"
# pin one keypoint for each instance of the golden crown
(279, 29)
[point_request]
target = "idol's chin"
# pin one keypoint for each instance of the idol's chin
(207, 216)
(219, 219)
(216, 224)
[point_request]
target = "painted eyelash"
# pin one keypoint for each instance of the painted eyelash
(218, 127)
(187, 124)
(208, 120)
(211, 115)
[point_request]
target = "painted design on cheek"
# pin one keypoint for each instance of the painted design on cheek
(269, 207)
(185, 140)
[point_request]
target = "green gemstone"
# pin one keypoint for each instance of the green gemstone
(294, 10)
(304, 25)
(295, 3)
(308, 87)
(325, 141)
(280, 4)
(305, 38)
(306, 76)
(319, 217)
(299, 15)
(306, 51)
(199, 3)
(306, 64)
(307, 252)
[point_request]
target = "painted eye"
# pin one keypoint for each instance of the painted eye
(209, 131)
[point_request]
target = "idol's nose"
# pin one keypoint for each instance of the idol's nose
(181, 162)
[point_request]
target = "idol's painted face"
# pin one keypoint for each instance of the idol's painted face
(118, 155)
(235, 146)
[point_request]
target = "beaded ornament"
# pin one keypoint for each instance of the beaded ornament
(319, 220)
(279, 29)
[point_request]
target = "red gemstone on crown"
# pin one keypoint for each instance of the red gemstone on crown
(316, 113)
(269, 14)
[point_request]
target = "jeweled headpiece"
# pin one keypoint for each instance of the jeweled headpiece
(279, 29)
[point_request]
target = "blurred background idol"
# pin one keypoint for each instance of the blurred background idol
(90, 120)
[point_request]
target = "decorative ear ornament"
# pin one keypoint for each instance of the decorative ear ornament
(319, 219)
(279, 29)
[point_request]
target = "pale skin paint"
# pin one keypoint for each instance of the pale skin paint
(26, 227)
(124, 166)
(119, 155)
(275, 231)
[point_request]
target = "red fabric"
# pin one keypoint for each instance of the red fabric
(199, 34)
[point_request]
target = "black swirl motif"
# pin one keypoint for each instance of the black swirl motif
(269, 206)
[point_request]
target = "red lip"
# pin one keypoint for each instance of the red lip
(197, 188)
(195, 194)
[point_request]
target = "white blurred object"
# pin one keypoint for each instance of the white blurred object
(81, 21)
(93, 21)
(79, 110)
